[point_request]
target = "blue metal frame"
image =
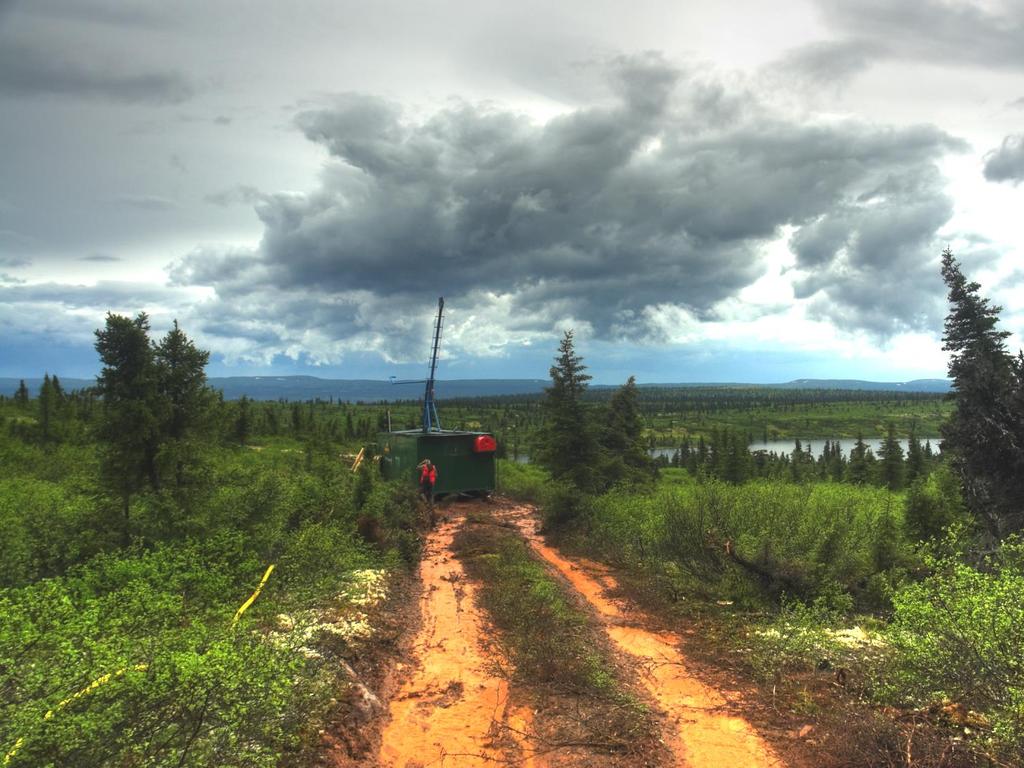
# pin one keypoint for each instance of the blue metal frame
(431, 422)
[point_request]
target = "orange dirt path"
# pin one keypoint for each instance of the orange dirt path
(452, 711)
(706, 734)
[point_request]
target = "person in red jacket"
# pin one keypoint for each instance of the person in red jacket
(428, 476)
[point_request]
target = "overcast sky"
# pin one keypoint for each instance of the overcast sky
(704, 191)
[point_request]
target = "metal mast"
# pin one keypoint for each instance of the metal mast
(430, 420)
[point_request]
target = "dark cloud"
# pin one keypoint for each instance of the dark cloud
(14, 261)
(874, 263)
(831, 63)
(100, 258)
(1007, 162)
(938, 31)
(101, 296)
(46, 70)
(664, 197)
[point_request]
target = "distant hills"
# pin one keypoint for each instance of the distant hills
(372, 390)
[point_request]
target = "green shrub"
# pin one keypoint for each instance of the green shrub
(525, 482)
(764, 537)
(934, 504)
(44, 529)
(959, 635)
(564, 504)
(798, 638)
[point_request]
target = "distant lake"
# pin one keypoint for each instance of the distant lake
(817, 445)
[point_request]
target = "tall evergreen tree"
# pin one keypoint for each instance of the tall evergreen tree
(129, 428)
(621, 438)
(857, 469)
(915, 458)
(567, 445)
(985, 434)
(891, 456)
(243, 422)
(21, 395)
(47, 406)
(184, 402)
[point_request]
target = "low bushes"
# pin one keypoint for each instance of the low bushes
(132, 650)
(758, 539)
(958, 635)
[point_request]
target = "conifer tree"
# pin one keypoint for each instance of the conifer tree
(915, 458)
(891, 456)
(47, 405)
(567, 445)
(621, 438)
(985, 434)
(243, 425)
(129, 427)
(184, 402)
(857, 469)
(21, 395)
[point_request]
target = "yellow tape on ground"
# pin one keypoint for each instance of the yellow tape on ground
(252, 598)
(101, 680)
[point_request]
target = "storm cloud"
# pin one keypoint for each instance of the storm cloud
(939, 31)
(662, 195)
(1007, 162)
(41, 69)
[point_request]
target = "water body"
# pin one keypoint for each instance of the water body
(817, 445)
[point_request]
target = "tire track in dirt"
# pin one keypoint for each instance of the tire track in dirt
(452, 711)
(702, 733)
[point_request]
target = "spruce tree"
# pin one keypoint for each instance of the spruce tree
(243, 423)
(568, 448)
(621, 438)
(21, 395)
(891, 457)
(129, 427)
(985, 435)
(857, 469)
(184, 405)
(915, 458)
(47, 406)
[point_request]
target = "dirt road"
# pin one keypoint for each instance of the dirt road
(454, 709)
(703, 730)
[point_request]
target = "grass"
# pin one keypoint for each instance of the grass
(554, 647)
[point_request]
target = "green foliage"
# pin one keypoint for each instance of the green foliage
(958, 635)
(184, 689)
(129, 429)
(755, 540)
(933, 505)
(549, 641)
(625, 456)
(891, 461)
(986, 432)
(78, 607)
(798, 637)
(568, 446)
(44, 529)
(526, 482)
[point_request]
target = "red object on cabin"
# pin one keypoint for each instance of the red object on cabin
(484, 444)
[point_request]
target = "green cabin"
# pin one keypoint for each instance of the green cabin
(464, 460)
